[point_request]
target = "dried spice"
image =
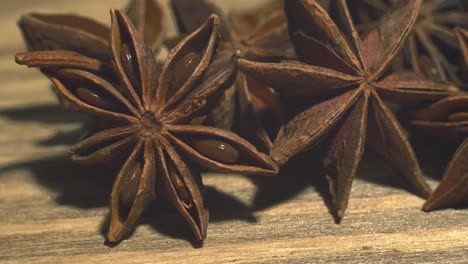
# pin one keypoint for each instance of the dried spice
(445, 120)
(258, 35)
(432, 48)
(453, 189)
(148, 115)
(87, 36)
(345, 78)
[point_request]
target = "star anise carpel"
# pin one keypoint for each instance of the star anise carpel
(347, 75)
(148, 111)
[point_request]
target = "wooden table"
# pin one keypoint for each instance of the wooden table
(53, 211)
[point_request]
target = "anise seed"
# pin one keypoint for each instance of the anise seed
(95, 98)
(217, 150)
(183, 68)
(129, 186)
(130, 66)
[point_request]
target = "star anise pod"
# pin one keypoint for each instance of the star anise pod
(345, 78)
(259, 35)
(432, 48)
(446, 121)
(149, 112)
(87, 36)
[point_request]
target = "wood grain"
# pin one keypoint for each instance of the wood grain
(54, 211)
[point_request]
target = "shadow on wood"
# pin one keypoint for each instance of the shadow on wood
(82, 187)
(50, 114)
(303, 171)
(90, 187)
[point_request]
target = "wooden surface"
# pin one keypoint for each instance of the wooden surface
(53, 211)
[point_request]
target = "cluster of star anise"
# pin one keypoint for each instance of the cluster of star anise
(311, 72)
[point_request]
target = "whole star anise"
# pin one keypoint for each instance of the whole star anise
(87, 36)
(258, 35)
(446, 121)
(148, 115)
(345, 78)
(432, 47)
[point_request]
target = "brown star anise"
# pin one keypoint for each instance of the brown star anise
(432, 47)
(344, 77)
(87, 36)
(258, 35)
(445, 120)
(148, 117)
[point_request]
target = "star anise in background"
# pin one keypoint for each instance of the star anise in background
(260, 34)
(149, 112)
(462, 35)
(432, 49)
(445, 121)
(87, 36)
(345, 78)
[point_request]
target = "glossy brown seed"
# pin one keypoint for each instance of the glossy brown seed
(217, 150)
(95, 98)
(130, 65)
(180, 188)
(129, 187)
(183, 68)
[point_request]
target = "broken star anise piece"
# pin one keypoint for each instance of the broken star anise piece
(258, 35)
(151, 111)
(432, 48)
(346, 76)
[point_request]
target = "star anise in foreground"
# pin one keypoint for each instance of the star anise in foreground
(432, 47)
(149, 115)
(344, 77)
(258, 35)
(87, 36)
(446, 121)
